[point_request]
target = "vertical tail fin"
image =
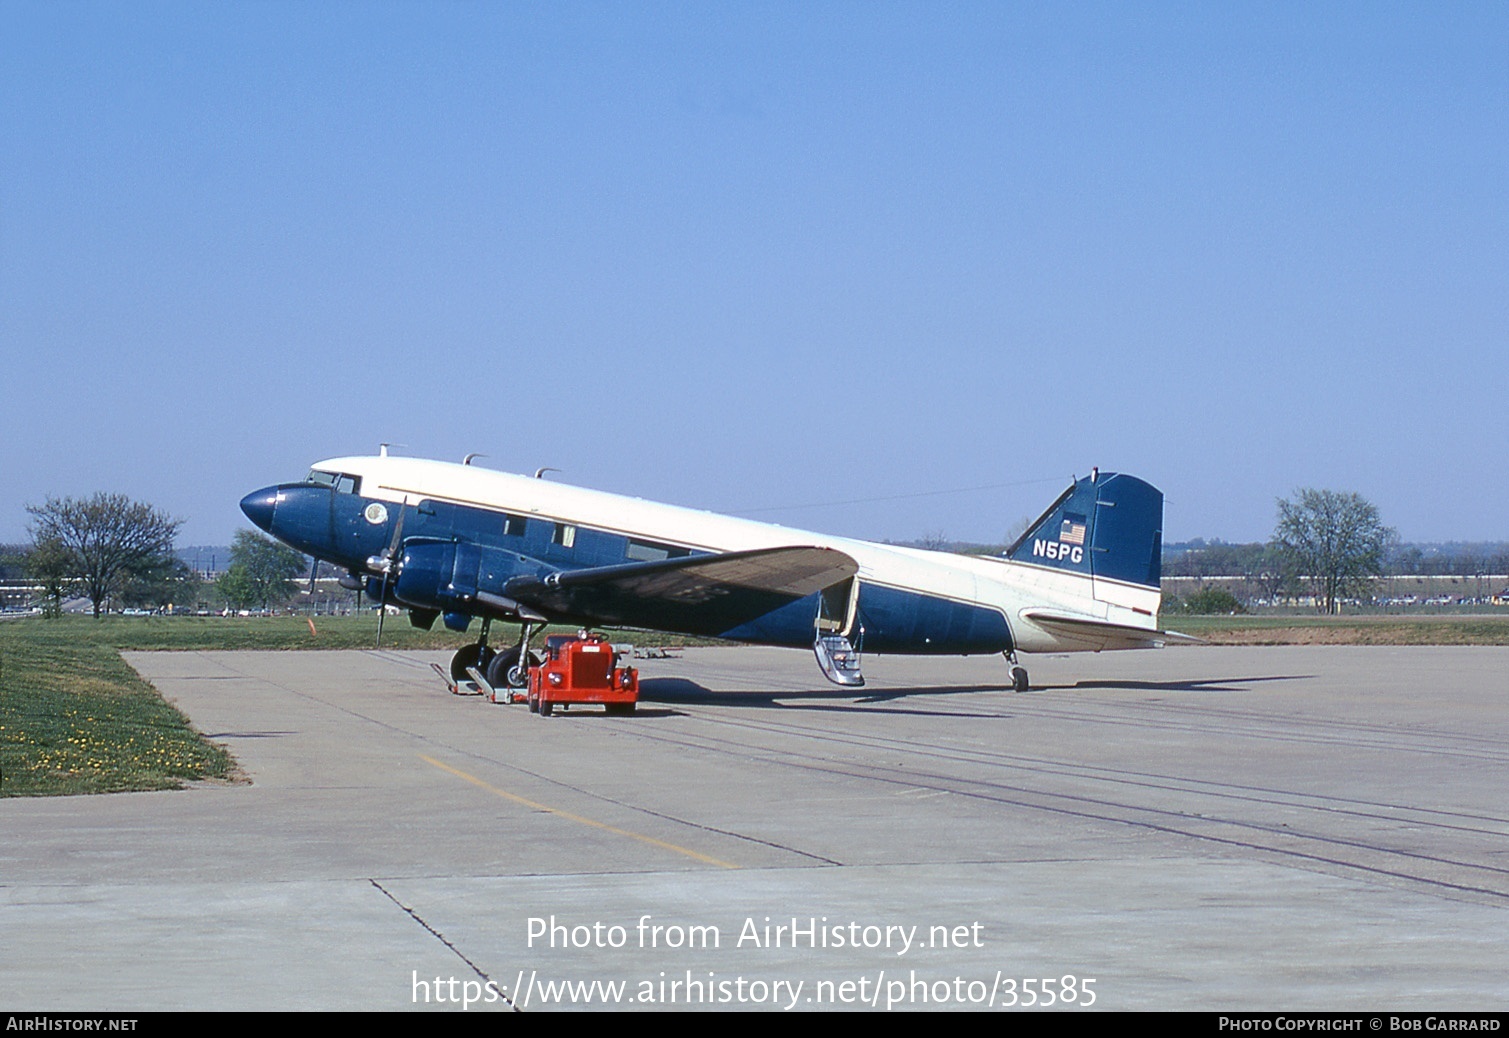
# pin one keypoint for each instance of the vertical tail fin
(1107, 525)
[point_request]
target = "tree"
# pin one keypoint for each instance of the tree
(1211, 600)
(52, 565)
(236, 587)
(1274, 572)
(1334, 540)
(108, 536)
(13, 561)
(163, 582)
(267, 569)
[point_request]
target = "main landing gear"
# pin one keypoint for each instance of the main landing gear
(478, 655)
(506, 669)
(510, 668)
(1018, 672)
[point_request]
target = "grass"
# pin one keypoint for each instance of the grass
(74, 718)
(1438, 629)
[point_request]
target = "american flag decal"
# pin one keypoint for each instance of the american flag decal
(1072, 531)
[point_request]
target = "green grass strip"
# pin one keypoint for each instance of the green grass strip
(1344, 630)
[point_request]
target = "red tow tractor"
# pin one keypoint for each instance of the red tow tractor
(581, 669)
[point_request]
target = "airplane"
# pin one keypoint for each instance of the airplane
(459, 542)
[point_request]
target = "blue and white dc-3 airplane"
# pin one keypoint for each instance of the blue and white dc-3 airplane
(457, 542)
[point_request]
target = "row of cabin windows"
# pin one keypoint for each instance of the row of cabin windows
(563, 534)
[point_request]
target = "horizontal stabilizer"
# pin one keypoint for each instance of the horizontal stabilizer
(1103, 633)
(702, 594)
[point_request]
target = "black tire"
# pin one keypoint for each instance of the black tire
(473, 655)
(619, 709)
(1019, 678)
(503, 672)
(497, 670)
(546, 709)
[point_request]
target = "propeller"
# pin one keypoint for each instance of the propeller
(390, 563)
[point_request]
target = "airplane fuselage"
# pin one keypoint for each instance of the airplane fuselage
(505, 532)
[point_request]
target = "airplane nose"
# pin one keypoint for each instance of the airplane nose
(258, 506)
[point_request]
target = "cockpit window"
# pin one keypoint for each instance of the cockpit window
(343, 483)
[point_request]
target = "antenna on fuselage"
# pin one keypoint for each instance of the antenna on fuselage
(539, 473)
(474, 454)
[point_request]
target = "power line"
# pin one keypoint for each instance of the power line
(894, 497)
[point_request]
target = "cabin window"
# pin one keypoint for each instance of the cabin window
(513, 525)
(649, 551)
(565, 535)
(324, 479)
(643, 551)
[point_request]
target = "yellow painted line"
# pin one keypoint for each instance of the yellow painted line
(506, 795)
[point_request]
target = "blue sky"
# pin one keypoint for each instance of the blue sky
(750, 257)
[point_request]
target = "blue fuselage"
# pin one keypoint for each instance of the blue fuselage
(457, 557)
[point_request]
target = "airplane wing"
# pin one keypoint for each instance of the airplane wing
(701, 594)
(1102, 633)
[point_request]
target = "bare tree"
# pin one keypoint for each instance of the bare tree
(1273, 573)
(1334, 540)
(107, 536)
(934, 540)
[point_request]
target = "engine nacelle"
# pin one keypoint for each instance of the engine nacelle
(461, 578)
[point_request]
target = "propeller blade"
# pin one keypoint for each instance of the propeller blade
(391, 554)
(397, 541)
(382, 608)
(314, 566)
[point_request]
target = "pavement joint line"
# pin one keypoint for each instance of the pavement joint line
(594, 823)
(439, 937)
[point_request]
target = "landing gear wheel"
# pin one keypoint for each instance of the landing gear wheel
(473, 655)
(518, 675)
(1019, 678)
(504, 670)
